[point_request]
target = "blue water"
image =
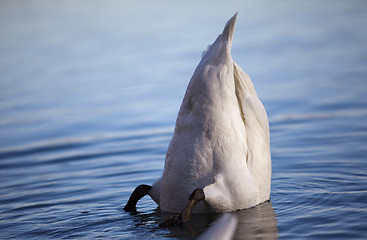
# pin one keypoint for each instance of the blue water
(89, 93)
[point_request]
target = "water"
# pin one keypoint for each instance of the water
(89, 93)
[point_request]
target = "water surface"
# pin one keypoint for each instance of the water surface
(89, 93)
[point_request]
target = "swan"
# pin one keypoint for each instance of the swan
(219, 157)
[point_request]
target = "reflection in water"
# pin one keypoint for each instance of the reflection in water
(197, 225)
(257, 222)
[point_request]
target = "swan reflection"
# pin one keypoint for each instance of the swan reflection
(258, 222)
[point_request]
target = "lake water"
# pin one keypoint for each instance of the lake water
(90, 90)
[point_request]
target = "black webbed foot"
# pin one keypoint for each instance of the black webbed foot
(137, 194)
(196, 196)
(173, 221)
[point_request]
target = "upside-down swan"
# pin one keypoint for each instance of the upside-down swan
(219, 156)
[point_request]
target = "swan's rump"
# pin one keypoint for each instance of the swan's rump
(221, 138)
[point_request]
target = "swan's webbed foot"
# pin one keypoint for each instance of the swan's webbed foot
(173, 221)
(137, 194)
(196, 196)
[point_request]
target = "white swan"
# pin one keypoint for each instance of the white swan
(220, 150)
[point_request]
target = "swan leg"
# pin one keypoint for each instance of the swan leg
(137, 194)
(196, 196)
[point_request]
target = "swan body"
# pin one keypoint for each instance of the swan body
(221, 140)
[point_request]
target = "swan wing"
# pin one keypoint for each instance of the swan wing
(256, 123)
